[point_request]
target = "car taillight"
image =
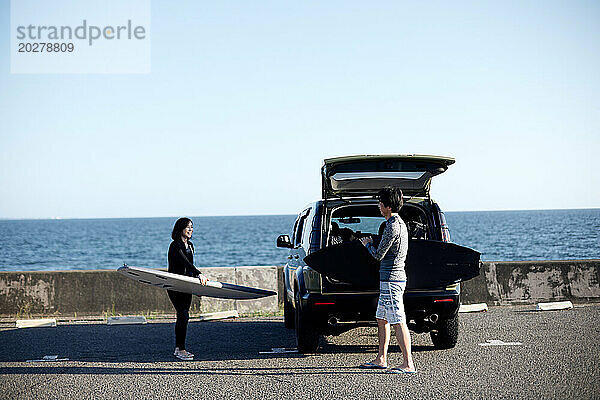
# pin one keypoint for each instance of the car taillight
(445, 229)
(443, 300)
(445, 233)
(324, 304)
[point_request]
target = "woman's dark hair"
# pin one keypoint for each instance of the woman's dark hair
(180, 225)
(391, 197)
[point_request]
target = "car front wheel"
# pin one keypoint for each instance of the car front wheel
(307, 337)
(445, 334)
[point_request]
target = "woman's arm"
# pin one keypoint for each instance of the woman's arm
(195, 271)
(179, 263)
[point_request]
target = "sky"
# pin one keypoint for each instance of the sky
(246, 98)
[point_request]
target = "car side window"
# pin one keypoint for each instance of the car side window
(295, 230)
(308, 228)
(300, 228)
(298, 235)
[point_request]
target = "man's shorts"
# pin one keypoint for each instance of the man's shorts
(391, 302)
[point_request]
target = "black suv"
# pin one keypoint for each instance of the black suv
(319, 305)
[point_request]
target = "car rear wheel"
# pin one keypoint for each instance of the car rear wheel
(445, 334)
(288, 312)
(307, 337)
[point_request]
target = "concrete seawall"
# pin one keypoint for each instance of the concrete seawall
(99, 292)
(528, 282)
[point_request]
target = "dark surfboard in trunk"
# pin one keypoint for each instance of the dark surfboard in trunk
(429, 264)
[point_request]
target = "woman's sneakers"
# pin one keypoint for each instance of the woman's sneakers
(183, 355)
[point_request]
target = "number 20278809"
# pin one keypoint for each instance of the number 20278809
(46, 47)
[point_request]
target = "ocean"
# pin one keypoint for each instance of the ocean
(87, 244)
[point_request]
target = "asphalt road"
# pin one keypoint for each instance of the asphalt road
(559, 358)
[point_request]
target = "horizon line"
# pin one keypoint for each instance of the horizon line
(269, 215)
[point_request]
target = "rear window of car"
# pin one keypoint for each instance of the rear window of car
(363, 224)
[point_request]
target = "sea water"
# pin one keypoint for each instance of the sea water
(80, 244)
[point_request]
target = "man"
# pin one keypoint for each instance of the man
(391, 253)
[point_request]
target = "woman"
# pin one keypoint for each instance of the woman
(391, 251)
(181, 261)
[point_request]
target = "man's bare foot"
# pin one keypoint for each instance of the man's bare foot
(407, 367)
(372, 365)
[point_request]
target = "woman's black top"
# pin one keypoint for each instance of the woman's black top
(181, 260)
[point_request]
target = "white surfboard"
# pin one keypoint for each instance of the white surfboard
(187, 284)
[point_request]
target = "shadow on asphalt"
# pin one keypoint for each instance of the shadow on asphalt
(154, 342)
(330, 348)
(192, 368)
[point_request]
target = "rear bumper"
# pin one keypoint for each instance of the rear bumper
(337, 310)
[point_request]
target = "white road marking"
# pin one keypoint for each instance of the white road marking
(495, 342)
(556, 305)
(279, 350)
(218, 315)
(126, 320)
(49, 359)
(465, 308)
(35, 323)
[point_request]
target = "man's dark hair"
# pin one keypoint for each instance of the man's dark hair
(180, 225)
(391, 197)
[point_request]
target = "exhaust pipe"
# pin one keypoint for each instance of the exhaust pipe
(333, 321)
(433, 318)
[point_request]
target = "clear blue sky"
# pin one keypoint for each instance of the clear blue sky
(246, 98)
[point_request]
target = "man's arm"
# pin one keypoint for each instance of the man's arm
(387, 239)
